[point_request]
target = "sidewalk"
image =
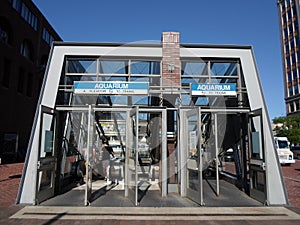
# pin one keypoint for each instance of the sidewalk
(9, 183)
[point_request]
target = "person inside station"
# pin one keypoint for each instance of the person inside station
(107, 152)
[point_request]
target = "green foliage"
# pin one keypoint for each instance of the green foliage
(288, 127)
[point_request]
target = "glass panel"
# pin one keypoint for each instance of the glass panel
(45, 179)
(109, 126)
(145, 67)
(193, 154)
(113, 67)
(132, 158)
(259, 180)
(193, 68)
(82, 66)
(223, 68)
(185, 99)
(202, 101)
(256, 138)
(79, 123)
(194, 157)
(140, 100)
(47, 135)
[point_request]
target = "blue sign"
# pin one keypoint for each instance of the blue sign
(111, 88)
(213, 89)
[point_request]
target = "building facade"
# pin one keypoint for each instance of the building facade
(184, 120)
(25, 42)
(290, 42)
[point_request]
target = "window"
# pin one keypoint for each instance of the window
(145, 67)
(21, 79)
(25, 12)
(297, 106)
(296, 89)
(286, 35)
(294, 10)
(194, 68)
(223, 68)
(297, 40)
(6, 72)
(293, 59)
(3, 35)
(292, 107)
(292, 43)
(290, 76)
(16, 4)
(291, 91)
(287, 47)
(113, 67)
(289, 14)
(27, 50)
(29, 17)
(5, 30)
(82, 66)
(288, 61)
(47, 36)
(295, 74)
(284, 19)
(291, 29)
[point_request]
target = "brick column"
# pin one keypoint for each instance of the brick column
(171, 67)
(171, 78)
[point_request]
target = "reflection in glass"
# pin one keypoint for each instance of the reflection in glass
(223, 68)
(82, 66)
(193, 68)
(113, 67)
(145, 67)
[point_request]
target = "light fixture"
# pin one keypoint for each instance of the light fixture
(171, 68)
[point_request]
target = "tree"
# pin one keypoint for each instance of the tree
(288, 127)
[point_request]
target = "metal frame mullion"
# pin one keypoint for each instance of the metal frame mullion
(88, 185)
(136, 154)
(200, 156)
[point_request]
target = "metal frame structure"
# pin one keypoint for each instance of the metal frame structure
(275, 189)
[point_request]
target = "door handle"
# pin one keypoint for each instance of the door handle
(263, 166)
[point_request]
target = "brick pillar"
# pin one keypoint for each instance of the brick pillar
(171, 78)
(171, 59)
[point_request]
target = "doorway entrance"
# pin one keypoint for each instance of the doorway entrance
(215, 145)
(219, 145)
(136, 136)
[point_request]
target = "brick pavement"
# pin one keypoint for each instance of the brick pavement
(291, 175)
(10, 176)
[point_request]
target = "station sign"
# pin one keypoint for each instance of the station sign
(213, 89)
(111, 88)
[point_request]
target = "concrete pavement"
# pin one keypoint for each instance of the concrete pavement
(18, 214)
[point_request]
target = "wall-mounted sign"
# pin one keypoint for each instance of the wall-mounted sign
(213, 89)
(111, 88)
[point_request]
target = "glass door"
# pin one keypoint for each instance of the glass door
(46, 168)
(257, 157)
(132, 156)
(194, 161)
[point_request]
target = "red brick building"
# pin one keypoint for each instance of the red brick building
(25, 41)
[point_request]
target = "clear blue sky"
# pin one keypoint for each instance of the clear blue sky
(241, 22)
